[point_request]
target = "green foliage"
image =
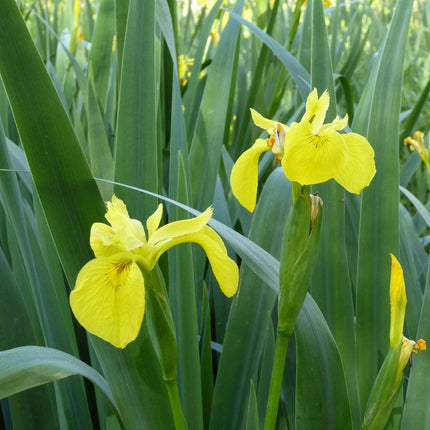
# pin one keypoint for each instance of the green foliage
(94, 100)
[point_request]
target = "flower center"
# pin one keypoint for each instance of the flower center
(319, 141)
(276, 142)
(118, 273)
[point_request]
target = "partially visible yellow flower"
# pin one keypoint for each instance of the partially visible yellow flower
(184, 63)
(215, 37)
(109, 295)
(244, 175)
(310, 152)
(397, 302)
(398, 309)
(326, 3)
(417, 143)
(389, 379)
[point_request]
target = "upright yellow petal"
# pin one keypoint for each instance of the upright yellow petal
(397, 302)
(312, 159)
(109, 299)
(316, 109)
(130, 230)
(154, 220)
(260, 121)
(360, 169)
(244, 175)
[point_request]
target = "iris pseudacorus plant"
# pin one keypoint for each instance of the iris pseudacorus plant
(309, 151)
(109, 295)
(389, 380)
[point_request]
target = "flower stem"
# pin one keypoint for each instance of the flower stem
(175, 403)
(276, 380)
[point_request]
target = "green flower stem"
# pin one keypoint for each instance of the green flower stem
(276, 380)
(162, 333)
(175, 403)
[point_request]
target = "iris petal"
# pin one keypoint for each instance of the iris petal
(360, 168)
(397, 302)
(244, 175)
(312, 159)
(109, 299)
(153, 221)
(104, 241)
(260, 121)
(130, 230)
(171, 231)
(316, 109)
(224, 268)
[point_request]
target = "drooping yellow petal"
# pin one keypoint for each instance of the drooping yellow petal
(224, 268)
(130, 230)
(109, 299)
(153, 221)
(260, 121)
(104, 241)
(244, 175)
(312, 159)
(360, 169)
(397, 302)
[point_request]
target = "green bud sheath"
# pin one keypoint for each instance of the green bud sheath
(158, 317)
(384, 391)
(298, 255)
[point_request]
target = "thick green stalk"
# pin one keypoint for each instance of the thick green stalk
(299, 251)
(175, 403)
(163, 337)
(276, 379)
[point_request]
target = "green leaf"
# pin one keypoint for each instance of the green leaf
(415, 413)
(29, 366)
(136, 154)
(252, 421)
(321, 393)
(205, 151)
(101, 49)
(298, 73)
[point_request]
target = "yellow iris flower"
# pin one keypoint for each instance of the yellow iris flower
(109, 295)
(309, 151)
(417, 143)
(398, 309)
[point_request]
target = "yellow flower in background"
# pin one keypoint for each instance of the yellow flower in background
(184, 64)
(398, 309)
(109, 295)
(244, 175)
(310, 152)
(389, 380)
(417, 143)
